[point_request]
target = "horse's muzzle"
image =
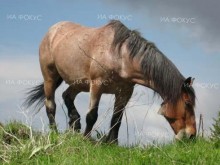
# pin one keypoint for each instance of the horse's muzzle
(184, 134)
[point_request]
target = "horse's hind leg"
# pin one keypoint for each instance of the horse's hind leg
(52, 80)
(49, 90)
(74, 118)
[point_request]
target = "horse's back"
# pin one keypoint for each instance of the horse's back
(71, 48)
(59, 31)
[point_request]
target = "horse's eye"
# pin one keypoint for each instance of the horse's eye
(170, 120)
(188, 104)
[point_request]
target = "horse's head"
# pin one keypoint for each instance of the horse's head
(181, 115)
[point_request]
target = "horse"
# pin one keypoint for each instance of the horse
(110, 59)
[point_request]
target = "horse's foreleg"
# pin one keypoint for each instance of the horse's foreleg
(92, 115)
(49, 89)
(74, 118)
(121, 100)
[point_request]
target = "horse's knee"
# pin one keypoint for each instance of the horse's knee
(50, 104)
(50, 109)
(91, 118)
(116, 119)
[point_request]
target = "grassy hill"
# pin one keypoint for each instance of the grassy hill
(20, 145)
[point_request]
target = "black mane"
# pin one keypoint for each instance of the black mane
(155, 66)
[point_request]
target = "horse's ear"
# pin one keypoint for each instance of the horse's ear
(188, 82)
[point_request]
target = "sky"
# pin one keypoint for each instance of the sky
(187, 32)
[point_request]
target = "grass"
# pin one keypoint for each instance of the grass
(20, 145)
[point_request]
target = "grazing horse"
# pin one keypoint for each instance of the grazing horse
(110, 59)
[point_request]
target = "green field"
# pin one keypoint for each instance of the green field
(20, 145)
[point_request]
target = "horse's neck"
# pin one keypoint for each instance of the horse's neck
(130, 70)
(147, 83)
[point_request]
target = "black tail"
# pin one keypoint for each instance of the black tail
(35, 96)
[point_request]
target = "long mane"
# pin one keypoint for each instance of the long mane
(155, 66)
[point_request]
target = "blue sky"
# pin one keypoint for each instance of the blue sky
(191, 46)
(173, 41)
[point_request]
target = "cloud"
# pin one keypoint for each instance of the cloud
(204, 15)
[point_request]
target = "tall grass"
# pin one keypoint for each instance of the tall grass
(21, 145)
